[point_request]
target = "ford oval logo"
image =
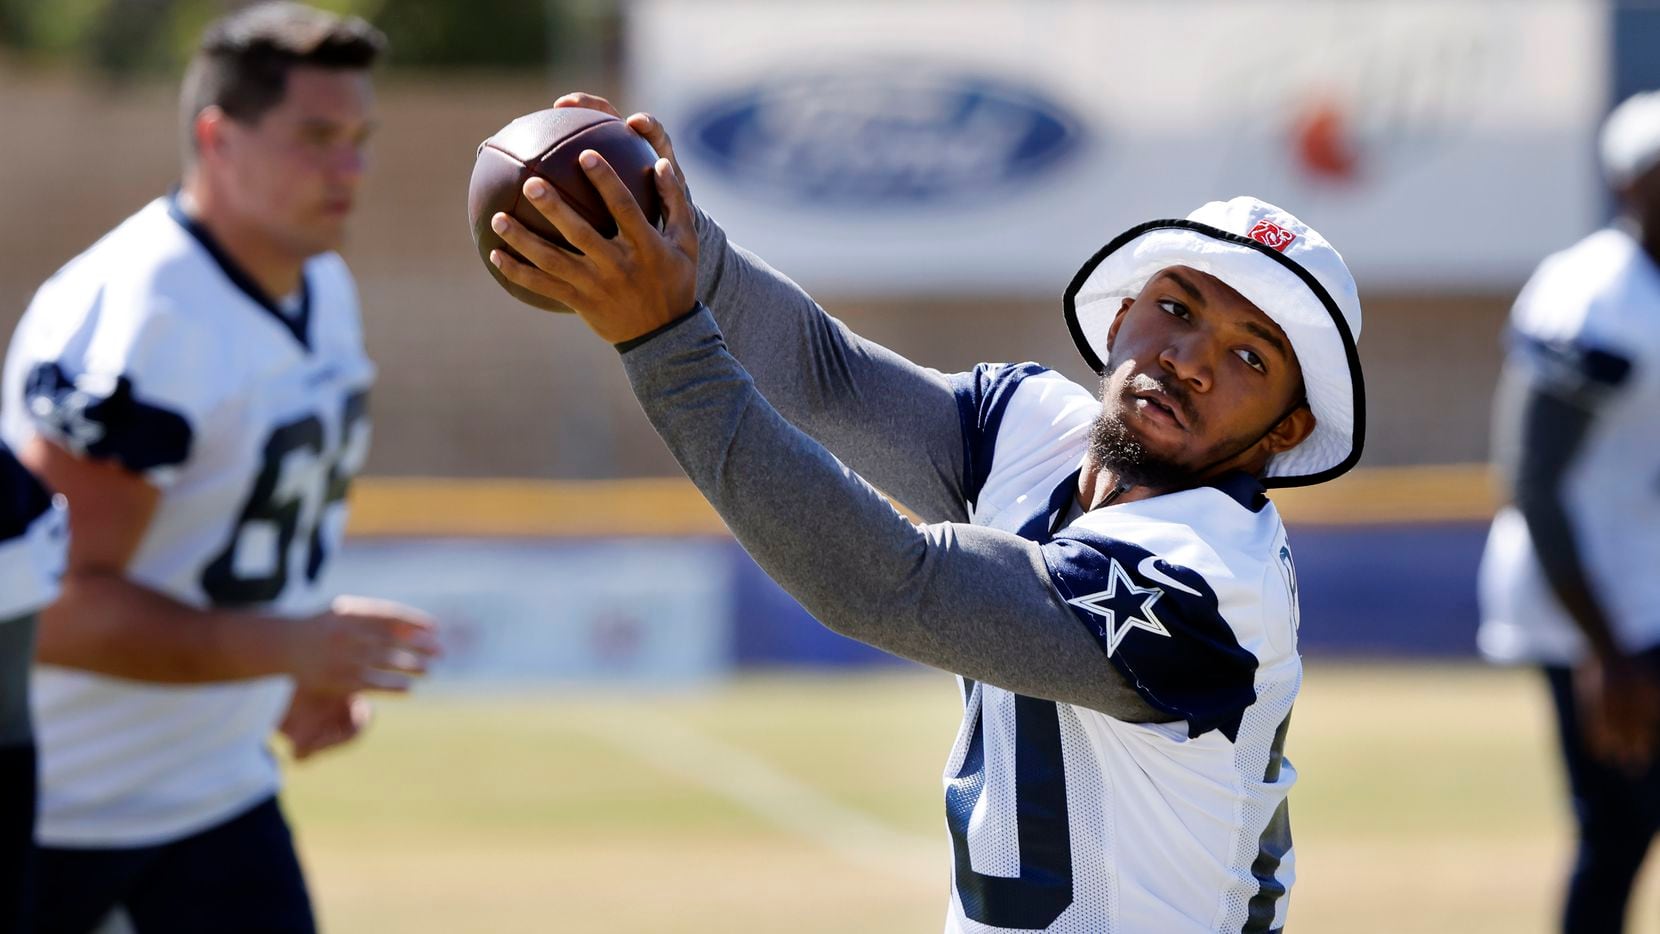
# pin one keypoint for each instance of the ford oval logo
(871, 135)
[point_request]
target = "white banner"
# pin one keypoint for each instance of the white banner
(633, 610)
(971, 147)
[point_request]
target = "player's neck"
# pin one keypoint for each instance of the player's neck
(274, 269)
(1099, 485)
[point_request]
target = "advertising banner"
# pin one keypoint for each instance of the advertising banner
(977, 147)
(657, 611)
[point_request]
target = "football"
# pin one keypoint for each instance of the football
(547, 143)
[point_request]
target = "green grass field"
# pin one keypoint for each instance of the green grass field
(1429, 802)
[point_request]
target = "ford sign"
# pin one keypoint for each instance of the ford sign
(881, 135)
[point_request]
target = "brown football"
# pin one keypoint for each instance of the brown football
(546, 143)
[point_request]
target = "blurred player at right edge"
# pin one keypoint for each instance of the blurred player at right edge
(195, 385)
(1571, 577)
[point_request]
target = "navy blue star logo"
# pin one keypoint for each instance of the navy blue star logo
(69, 416)
(1122, 607)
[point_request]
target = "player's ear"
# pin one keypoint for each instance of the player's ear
(1292, 430)
(1117, 319)
(208, 130)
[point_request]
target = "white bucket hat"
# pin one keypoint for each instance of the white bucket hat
(1280, 265)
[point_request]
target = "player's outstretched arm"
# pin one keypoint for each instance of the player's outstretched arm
(963, 598)
(975, 601)
(894, 421)
(1619, 695)
(105, 622)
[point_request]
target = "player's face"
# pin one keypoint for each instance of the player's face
(296, 172)
(1199, 382)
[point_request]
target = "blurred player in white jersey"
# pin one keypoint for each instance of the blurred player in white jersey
(1106, 574)
(1571, 576)
(33, 536)
(195, 384)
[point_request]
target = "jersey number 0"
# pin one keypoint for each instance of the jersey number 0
(1036, 897)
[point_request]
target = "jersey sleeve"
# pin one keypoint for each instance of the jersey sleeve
(123, 388)
(1160, 625)
(1561, 340)
(983, 396)
(1580, 369)
(1017, 418)
(34, 536)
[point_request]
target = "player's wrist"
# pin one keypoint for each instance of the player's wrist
(289, 642)
(625, 345)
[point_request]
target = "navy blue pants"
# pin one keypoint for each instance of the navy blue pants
(17, 834)
(1617, 815)
(242, 875)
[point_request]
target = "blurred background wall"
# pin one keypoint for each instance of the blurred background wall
(475, 385)
(934, 172)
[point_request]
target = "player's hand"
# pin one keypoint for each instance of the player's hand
(316, 721)
(622, 287)
(649, 127)
(361, 644)
(587, 101)
(1619, 702)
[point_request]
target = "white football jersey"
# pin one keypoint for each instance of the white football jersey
(34, 534)
(154, 351)
(1587, 328)
(1063, 819)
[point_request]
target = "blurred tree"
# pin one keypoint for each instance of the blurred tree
(122, 37)
(49, 29)
(130, 36)
(469, 33)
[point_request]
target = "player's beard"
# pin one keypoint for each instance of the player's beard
(1112, 445)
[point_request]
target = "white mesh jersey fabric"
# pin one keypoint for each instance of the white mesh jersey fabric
(1165, 832)
(1600, 296)
(1261, 739)
(32, 561)
(249, 515)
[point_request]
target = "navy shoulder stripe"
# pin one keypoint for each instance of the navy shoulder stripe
(106, 421)
(983, 396)
(1160, 624)
(1578, 370)
(23, 498)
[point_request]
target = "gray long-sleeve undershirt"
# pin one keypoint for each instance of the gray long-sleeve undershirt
(968, 599)
(894, 422)
(1538, 434)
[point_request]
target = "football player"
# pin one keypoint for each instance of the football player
(33, 536)
(1568, 581)
(195, 384)
(1107, 575)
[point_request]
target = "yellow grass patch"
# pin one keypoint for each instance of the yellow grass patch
(1429, 801)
